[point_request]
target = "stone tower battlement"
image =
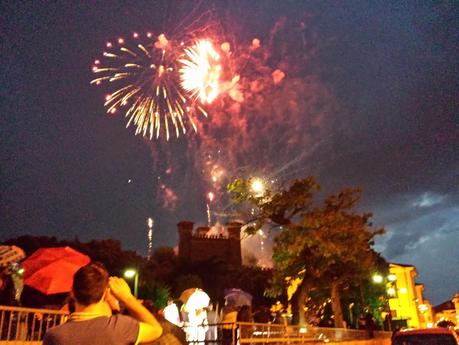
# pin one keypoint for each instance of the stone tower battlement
(195, 245)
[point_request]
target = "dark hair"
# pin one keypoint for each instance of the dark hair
(90, 283)
(244, 314)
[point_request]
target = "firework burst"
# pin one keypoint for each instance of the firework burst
(143, 77)
(201, 71)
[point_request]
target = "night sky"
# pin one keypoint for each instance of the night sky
(369, 99)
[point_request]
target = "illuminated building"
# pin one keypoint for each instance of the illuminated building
(448, 311)
(407, 304)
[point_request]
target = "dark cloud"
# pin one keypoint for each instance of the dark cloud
(410, 231)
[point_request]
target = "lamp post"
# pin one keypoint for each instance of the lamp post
(377, 278)
(389, 283)
(132, 273)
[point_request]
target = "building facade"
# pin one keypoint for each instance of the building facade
(448, 311)
(407, 304)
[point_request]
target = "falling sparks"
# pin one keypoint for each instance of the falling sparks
(216, 173)
(169, 197)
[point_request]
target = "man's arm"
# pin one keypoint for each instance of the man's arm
(149, 328)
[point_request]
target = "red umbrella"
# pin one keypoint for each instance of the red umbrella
(51, 270)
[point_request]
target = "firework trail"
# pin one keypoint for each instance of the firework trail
(210, 197)
(150, 223)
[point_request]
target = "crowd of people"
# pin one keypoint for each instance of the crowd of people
(103, 310)
(207, 324)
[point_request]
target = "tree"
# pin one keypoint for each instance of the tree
(319, 247)
(158, 293)
(32, 243)
(188, 281)
(163, 266)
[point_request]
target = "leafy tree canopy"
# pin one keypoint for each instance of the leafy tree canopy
(327, 245)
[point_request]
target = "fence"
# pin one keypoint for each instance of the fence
(28, 326)
(269, 334)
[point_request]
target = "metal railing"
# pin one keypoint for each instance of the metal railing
(268, 334)
(27, 324)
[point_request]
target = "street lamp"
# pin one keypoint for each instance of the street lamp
(389, 284)
(389, 281)
(377, 278)
(132, 273)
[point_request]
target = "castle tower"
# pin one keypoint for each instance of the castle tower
(185, 230)
(196, 246)
(234, 238)
(234, 230)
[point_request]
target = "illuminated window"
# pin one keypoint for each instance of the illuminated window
(392, 290)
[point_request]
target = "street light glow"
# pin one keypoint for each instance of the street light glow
(130, 273)
(377, 278)
(423, 308)
(392, 277)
